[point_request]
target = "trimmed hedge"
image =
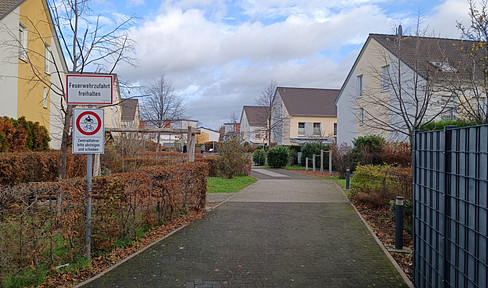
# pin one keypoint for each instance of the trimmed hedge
(26, 167)
(43, 223)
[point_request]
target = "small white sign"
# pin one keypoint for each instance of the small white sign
(92, 89)
(88, 131)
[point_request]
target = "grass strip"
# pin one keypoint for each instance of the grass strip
(221, 185)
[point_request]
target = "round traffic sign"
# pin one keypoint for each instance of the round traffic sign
(88, 123)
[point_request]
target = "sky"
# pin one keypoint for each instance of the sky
(220, 55)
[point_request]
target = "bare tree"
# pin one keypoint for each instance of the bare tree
(89, 44)
(85, 41)
(406, 93)
(266, 100)
(161, 104)
(470, 82)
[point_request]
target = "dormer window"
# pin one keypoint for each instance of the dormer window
(443, 66)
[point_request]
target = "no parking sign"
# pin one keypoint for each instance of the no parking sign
(88, 131)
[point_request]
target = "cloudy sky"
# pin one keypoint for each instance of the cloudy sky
(221, 54)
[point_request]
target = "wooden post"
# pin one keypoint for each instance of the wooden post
(313, 163)
(190, 145)
(321, 161)
(330, 162)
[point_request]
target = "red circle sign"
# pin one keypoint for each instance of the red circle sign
(88, 123)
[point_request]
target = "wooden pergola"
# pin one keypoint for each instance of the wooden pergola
(190, 132)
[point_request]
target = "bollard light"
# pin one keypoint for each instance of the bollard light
(348, 175)
(399, 223)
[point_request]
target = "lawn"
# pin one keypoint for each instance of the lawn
(221, 185)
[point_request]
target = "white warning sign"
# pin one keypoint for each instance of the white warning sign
(88, 131)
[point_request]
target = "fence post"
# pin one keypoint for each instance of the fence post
(321, 161)
(313, 163)
(447, 169)
(306, 164)
(330, 162)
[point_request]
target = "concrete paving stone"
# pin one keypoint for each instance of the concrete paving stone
(302, 233)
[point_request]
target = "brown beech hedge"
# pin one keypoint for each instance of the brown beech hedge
(43, 223)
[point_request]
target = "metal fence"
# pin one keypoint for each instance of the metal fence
(450, 194)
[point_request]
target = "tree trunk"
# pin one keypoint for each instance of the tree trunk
(64, 143)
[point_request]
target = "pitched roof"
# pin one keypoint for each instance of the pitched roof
(309, 101)
(7, 6)
(427, 55)
(129, 109)
(256, 115)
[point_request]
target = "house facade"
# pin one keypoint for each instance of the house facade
(33, 66)
(253, 124)
(130, 113)
(397, 83)
(302, 115)
(207, 135)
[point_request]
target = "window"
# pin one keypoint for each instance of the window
(301, 129)
(335, 128)
(361, 116)
(360, 86)
(450, 112)
(385, 78)
(22, 42)
(47, 58)
(316, 129)
(44, 98)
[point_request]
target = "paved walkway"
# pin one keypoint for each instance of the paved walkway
(286, 230)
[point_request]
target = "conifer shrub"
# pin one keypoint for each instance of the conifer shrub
(278, 156)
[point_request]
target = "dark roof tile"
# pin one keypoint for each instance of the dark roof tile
(309, 101)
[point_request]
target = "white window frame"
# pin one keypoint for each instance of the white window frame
(317, 131)
(47, 58)
(385, 78)
(360, 86)
(301, 129)
(23, 33)
(44, 97)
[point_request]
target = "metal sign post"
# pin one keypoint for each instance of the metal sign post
(88, 127)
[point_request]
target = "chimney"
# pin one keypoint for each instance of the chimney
(400, 31)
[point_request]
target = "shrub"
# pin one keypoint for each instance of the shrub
(441, 124)
(367, 150)
(342, 158)
(259, 156)
(233, 160)
(378, 185)
(21, 135)
(293, 159)
(278, 156)
(309, 149)
(395, 153)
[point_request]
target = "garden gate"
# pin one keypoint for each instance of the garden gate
(450, 187)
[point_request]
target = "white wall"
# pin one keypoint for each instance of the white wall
(9, 51)
(346, 111)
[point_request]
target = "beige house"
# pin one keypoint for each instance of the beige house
(399, 82)
(301, 115)
(253, 124)
(32, 66)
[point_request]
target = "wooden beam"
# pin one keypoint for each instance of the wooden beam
(154, 130)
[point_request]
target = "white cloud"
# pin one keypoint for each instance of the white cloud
(135, 3)
(221, 58)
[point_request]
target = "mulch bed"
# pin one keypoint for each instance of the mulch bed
(379, 219)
